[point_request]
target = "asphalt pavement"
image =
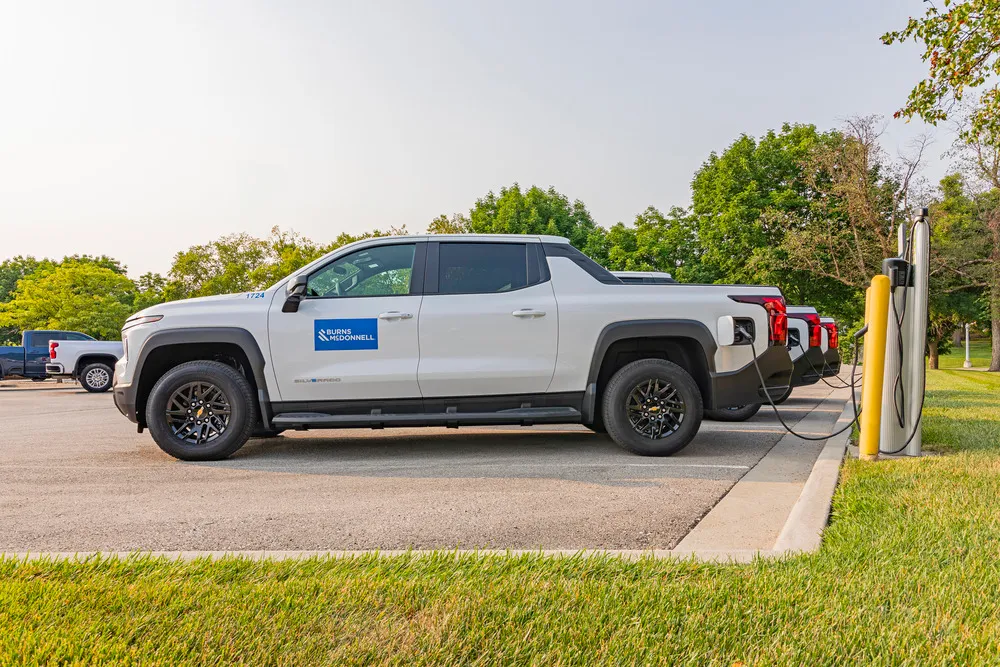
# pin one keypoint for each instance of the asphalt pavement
(75, 476)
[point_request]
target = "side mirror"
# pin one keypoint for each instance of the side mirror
(293, 294)
(727, 330)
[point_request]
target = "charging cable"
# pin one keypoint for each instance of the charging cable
(857, 412)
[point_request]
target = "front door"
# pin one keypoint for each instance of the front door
(488, 322)
(355, 333)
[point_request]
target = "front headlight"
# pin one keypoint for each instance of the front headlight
(144, 319)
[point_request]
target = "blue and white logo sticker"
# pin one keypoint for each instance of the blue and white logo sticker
(355, 334)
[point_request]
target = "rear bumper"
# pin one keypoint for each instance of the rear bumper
(55, 369)
(742, 387)
(808, 368)
(832, 367)
(124, 396)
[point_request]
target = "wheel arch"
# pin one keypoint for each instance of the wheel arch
(168, 348)
(94, 358)
(687, 343)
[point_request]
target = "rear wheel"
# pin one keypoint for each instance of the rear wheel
(96, 378)
(201, 411)
(737, 414)
(652, 407)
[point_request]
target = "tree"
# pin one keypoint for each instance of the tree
(537, 211)
(962, 48)
(657, 242)
(457, 224)
(76, 296)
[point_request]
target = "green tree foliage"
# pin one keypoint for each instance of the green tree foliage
(961, 43)
(657, 242)
(744, 202)
(75, 296)
(243, 263)
(456, 224)
(537, 211)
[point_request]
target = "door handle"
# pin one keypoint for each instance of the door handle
(395, 315)
(528, 312)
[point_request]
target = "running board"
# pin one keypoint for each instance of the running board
(375, 419)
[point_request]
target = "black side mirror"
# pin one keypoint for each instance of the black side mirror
(294, 294)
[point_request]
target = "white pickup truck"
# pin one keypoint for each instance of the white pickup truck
(91, 362)
(449, 330)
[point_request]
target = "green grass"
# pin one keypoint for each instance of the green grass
(979, 355)
(909, 573)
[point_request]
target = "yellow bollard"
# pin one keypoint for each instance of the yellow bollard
(874, 368)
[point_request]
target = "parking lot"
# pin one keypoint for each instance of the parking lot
(75, 476)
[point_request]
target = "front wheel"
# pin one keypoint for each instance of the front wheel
(201, 411)
(96, 378)
(652, 407)
(737, 414)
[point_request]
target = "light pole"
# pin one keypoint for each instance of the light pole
(968, 363)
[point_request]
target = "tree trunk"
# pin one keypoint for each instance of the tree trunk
(957, 336)
(932, 351)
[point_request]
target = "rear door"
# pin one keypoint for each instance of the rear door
(488, 322)
(36, 352)
(354, 336)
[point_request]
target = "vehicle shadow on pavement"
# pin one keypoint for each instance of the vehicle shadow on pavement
(576, 455)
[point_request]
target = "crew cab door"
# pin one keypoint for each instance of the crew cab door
(488, 321)
(355, 333)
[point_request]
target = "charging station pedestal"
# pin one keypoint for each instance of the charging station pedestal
(903, 379)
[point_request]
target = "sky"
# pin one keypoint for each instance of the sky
(137, 129)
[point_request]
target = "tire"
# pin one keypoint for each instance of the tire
(96, 378)
(740, 414)
(625, 390)
(199, 387)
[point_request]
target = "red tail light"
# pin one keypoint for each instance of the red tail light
(52, 349)
(815, 330)
(777, 320)
(832, 337)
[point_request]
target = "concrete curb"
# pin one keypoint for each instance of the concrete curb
(802, 531)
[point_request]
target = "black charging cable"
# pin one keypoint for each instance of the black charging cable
(857, 412)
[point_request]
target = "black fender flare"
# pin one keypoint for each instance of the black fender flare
(672, 328)
(231, 335)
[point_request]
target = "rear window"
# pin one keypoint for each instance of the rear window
(42, 338)
(597, 271)
(482, 268)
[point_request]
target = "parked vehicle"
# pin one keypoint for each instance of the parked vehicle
(449, 330)
(91, 362)
(807, 347)
(644, 277)
(29, 359)
(832, 354)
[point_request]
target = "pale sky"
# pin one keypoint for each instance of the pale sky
(137, 128)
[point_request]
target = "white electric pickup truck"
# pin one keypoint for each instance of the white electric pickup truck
(449, 330)
(91, 362)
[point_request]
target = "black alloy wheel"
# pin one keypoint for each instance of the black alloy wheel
(198, 413)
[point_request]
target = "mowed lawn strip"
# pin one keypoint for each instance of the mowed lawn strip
(909, 572)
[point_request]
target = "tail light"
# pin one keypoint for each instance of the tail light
(815, 330)
(52, 349)
(832, 337)
(777, 320)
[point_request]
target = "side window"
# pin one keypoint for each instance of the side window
(73, 335)
(482, 268)
(380, 271)
(42, 338)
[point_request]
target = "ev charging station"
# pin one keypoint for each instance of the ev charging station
(893, 380)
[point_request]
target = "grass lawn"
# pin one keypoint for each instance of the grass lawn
(909, 573)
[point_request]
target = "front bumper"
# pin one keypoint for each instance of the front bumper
(742, 387)
(124, 396)
(808, 368)
(832, 367)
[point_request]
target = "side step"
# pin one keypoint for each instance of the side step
(375, 419)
